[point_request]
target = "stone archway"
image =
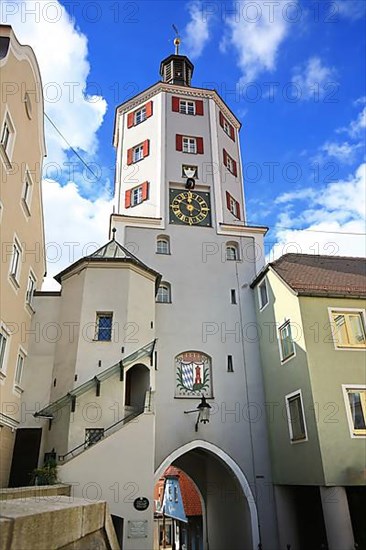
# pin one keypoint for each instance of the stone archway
(230, 513)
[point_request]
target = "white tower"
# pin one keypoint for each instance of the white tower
(180, 209)
(163, 322)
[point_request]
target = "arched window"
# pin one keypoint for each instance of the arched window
(232, 251)
(164, 294)
(162, 245)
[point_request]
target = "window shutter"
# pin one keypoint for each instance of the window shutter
(199, 107)
(145, 190)
(199, 145)
(238, 215)
(221, 117)
(175, 104)
(228, 200)
(149, 109)
(130, 156)
(146, 148)
(179, 142)
(235, 170)
(225, 156)
(232, 133)
(130, 119)
(128, 198)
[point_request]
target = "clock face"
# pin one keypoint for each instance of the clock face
(189, 207)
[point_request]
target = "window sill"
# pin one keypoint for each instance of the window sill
(26, 208)
(5, 158)
(285, 359)
(14, 281)
(102, 341)
(163, 302)
(299, 439)
(350, 348)
(30, 308)
(18, 389)
(164, 253)
(2, 375)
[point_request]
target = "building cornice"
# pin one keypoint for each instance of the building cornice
(187, 91)
(241, 230)
(25, 53)
(8, 421)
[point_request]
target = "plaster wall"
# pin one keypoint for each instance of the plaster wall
(329, 370)
(119, 469)
(300, 462)
(20, 221)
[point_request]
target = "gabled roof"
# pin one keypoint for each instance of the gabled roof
(112, 251)
(311, 275)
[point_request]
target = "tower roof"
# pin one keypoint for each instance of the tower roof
(112, 251)
(177, 69)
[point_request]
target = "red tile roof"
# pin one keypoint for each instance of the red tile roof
(311, 275)
(190, 496)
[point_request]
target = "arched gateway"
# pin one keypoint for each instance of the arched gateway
(230, 516)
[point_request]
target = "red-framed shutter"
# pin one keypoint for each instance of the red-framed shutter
(128, 198)
(179, 142)
(145, 190)
(224, 153)
(232, 132)
(199, 107)
(130, 119)
(175, 104)
(149, 109)
(146, 148)
(130, 156)
(235, 170)
(238, 210)
(228, 196)
(221, 118)
(199, 142)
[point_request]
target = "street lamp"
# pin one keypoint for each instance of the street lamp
(203, 409)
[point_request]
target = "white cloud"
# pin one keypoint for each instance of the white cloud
(313, 78)
(343, 152)
(255, 32)
(351, 9)
(358, 126)
(62, 51)
(301, 194)
(196, 32)
(74, 226)
(339, 207)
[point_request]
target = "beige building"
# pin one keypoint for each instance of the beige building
(312, 333)
(22, 149)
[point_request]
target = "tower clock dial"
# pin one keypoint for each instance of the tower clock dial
(189, 207)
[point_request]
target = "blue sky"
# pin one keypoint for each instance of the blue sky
(292, 71)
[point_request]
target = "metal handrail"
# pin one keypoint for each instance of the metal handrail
(129, 416)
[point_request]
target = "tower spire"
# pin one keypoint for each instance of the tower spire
(177, 40)
(176, 69)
